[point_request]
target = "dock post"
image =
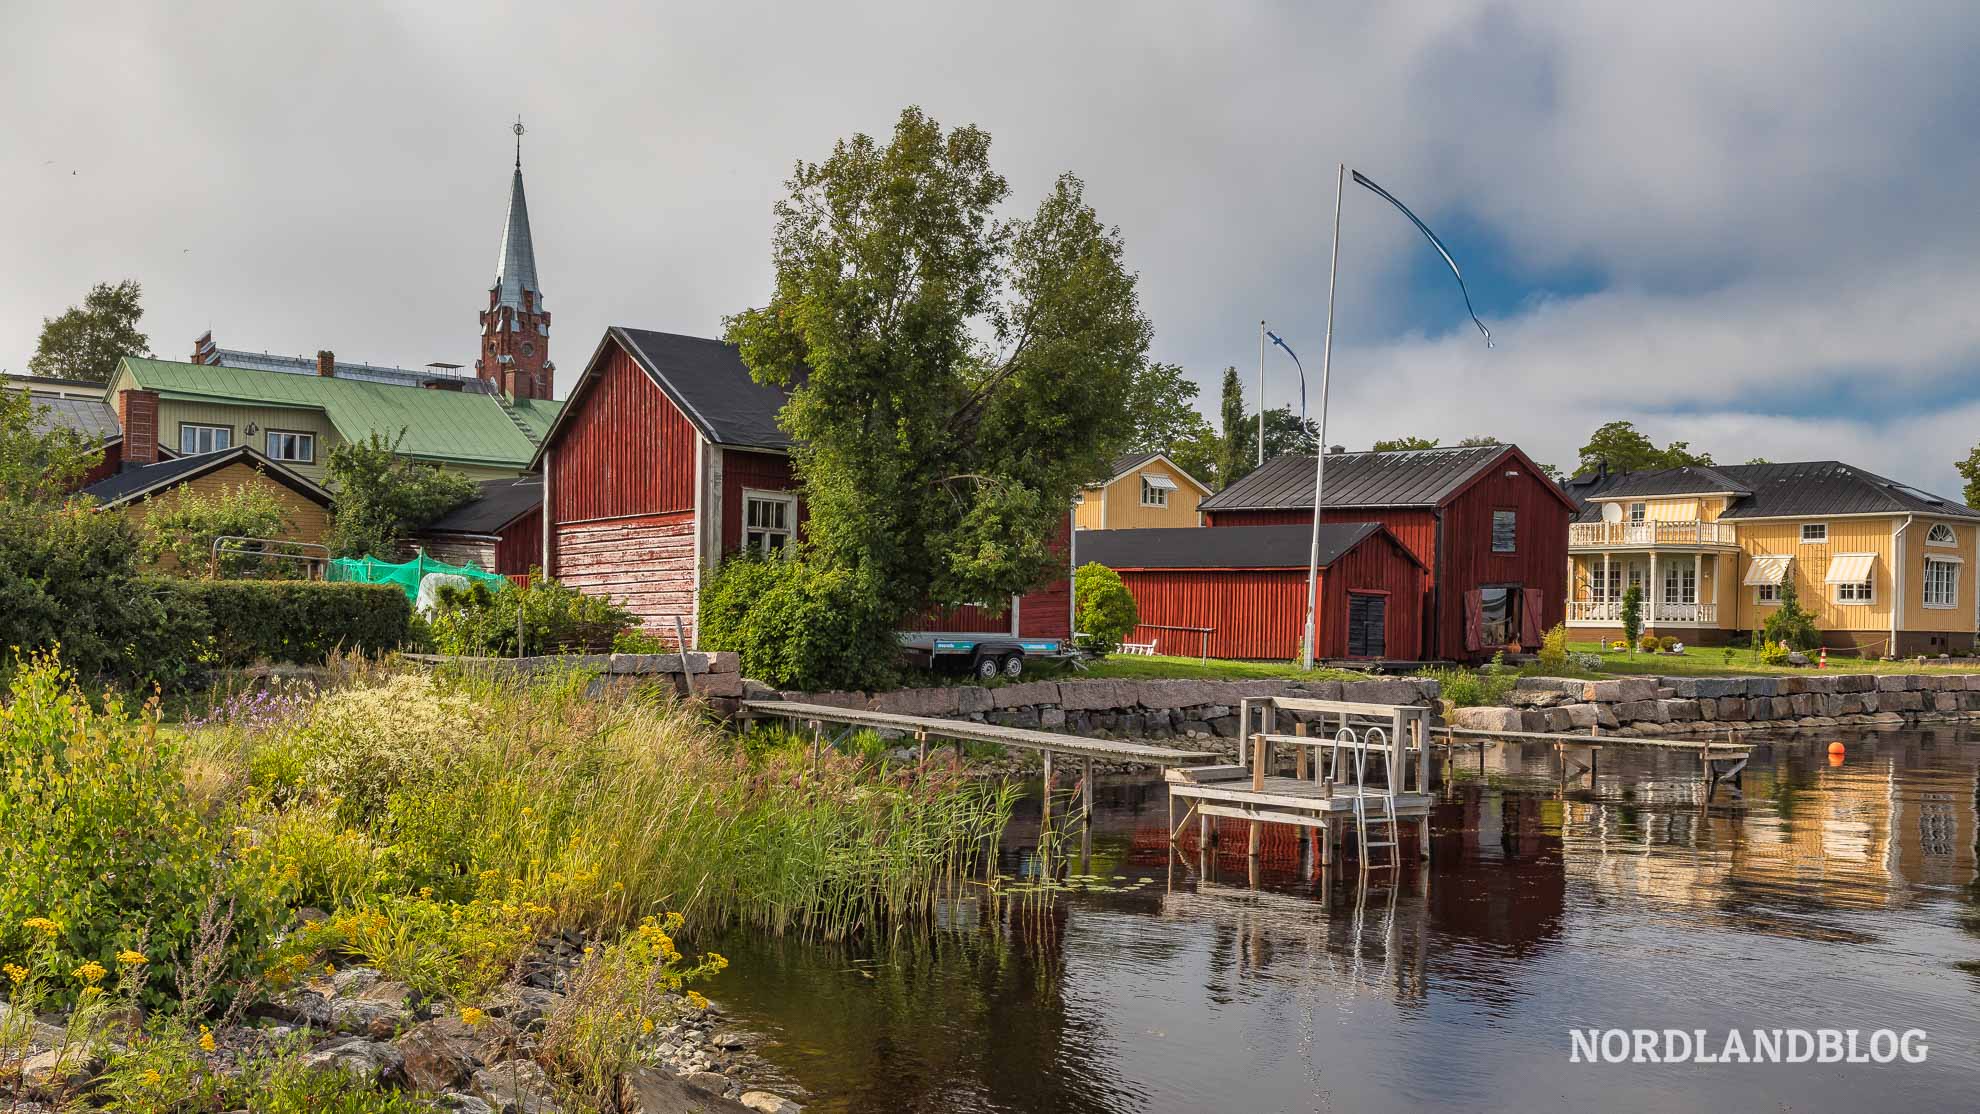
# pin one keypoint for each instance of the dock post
(1258, 763)
(921, 744)
(1251, 841)
(817, 742)
(1086, 823)
(1046, 816)
(1299, 759)
(1166, 792)
(1244, 727)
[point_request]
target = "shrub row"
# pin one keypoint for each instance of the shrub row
(244, 621)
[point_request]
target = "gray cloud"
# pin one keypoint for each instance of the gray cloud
(1772, 195)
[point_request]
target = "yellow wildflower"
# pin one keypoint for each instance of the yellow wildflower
(42, 925)
(696, 1000)
(329, 969)
(646, 1025)
(90, 993)
(152, 1078)
(131, 958)
(16, 973)
(721, 962)
(206, 1042)
(472, 1017)
(91, 972)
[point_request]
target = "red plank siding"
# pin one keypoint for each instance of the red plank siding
(644, 564)
(1043, 612)
(521, 547)
(1379, 565)
(756, 472)
(624, 450)
(1415, 527)
(1539, 559)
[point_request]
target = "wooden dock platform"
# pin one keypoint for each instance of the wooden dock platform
(923, 728)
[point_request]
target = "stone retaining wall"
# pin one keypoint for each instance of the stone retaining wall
(1133, 709)
(1655, 706)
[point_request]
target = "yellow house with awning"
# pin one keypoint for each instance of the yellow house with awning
(1146, 490)
(1885, 568)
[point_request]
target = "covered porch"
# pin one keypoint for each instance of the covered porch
(1680, 589)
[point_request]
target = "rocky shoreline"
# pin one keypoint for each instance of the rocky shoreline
(1661, 706)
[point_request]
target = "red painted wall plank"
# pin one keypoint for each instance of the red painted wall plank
(644, 564)
(757, 472)
(1539, 560)
(624, 450)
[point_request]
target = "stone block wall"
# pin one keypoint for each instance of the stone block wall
(1659, 706)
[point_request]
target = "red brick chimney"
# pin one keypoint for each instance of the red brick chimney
(137, 411)
(326, 363)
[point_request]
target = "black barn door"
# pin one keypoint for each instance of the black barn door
(1368, 624)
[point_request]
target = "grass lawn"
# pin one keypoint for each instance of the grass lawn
(1135, 667)
(1709, 661)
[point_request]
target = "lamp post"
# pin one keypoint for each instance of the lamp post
(1320, 450)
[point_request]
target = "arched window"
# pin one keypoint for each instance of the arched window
(1941, 534)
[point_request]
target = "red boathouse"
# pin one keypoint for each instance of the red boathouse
(1485, 521)
(1247, 585)
(666, 457)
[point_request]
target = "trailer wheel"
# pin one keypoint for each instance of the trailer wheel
(1014, 666)
(985, 667)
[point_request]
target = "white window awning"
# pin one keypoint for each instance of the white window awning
(1768, 570)
(1850, 568)
(1160, 481)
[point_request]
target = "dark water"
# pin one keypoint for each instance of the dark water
(1815, 896)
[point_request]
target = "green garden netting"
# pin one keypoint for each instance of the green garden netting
(407, 575)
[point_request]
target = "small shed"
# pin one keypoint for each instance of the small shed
(501, 530)
(1239, 591)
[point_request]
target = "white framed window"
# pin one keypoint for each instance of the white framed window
(1638, 512)
(1941, 534)
(1941, 583)
(1608, 591)
(1767, 593)
(1857, 591)
(195, 439)
(1153, 496)
(1505, 531)
(1814, 532)
(1680, 584)
(769, 520)
(292, 445)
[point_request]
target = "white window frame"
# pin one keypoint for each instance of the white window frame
(1680, 584)
(304, 440)
(1767, 595)
(1639, 513)
(1948, 602)
(1820, 538)
(213, 433)
(1152, 496)
(759, 537)
(1861, 593)
(1941, 534)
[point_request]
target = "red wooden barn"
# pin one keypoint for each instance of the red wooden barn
(666, 457)
(1247, 584)
(1486, 522)
(501, 530)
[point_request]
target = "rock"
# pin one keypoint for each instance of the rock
(1796, 657)
(718, 685)
(1381, 692)
(435, 1055)
(41, 1033)
(1856, 682)
(1024, 694)
(1892, 682)
(1051, 717)
(766, 1103)
(1945, 701)
(1165, 695)
(391, 993)
(1580, 717)
(653, 1091)
(374, 1063)
(365, 1017)
(1763, 686)
(1096, 696)
(919, 702)
(52, 1072)
(713, 1082)
(971, 700)
(730, 1039)
(302, 1006)
(514, 1087)
(463, 1104)
(1487, 719)
(1677, 711)
(521, 1005)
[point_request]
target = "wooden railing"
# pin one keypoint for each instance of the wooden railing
(1648, 533)
(1610, 611)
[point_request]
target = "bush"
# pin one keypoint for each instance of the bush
(1647, 643)
(800, 624)
(1554, 647)
(1790, 623)
(480, 621)
(1667, 644)
(1106, 611)
(179, 531)
(288, 620)
(1469, 688)
(1632, 612)
(383, 496)
(1774, 653)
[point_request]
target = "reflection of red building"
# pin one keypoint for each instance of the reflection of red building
(1489, 526)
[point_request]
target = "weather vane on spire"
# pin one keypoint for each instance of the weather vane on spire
(519, 135)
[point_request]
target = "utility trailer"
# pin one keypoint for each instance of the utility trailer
(985, 655)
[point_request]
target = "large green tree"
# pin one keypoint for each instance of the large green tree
(380, 497)
(86, 341)
(1624, 448)
(1162, 402)
(1396, 444)
(40, 462)
(1237, 456)
(955, 377)
(1969, 470)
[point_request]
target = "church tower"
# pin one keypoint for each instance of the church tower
(515, 328)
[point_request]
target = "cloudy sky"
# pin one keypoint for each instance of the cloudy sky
(1746, 225)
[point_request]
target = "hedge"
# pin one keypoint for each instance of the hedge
(287, 620)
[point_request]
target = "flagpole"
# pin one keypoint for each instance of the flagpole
(1261, 394)
(1306, 653)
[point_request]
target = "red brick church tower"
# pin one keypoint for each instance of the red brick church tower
(515, 328)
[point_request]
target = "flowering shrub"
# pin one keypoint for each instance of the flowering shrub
(360, 744)
(436, 947)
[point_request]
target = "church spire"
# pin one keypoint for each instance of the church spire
(515, 328)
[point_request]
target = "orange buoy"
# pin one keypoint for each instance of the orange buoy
(1835, 750)
(1836, 759)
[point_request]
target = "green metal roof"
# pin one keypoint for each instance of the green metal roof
(439, 425)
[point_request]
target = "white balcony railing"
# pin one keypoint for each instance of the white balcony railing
(1649, 533)
(1610, 611)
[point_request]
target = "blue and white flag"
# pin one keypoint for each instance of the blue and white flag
(1363, 179)
(1302, 373)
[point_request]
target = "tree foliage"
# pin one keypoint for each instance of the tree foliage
(1969, 470)
(955, 378)
(1236, 457)
(381, 496)
(1105, 609)
(180, 528)
(38, 466)
(1632, 614)
(1398, 444)
(85, 342)
(1792, 624)
(1162, 403)
(1624, 448)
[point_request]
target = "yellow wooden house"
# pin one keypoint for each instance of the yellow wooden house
(1886, 569)
(132, 491)
(1147, 489)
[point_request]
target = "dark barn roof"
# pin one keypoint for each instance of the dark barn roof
(1810, 489)
(708, 381)
(499, 503)
(146, 479)
(1224, 547)
(1413, 478)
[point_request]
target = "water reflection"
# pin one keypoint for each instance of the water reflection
(1623, 891)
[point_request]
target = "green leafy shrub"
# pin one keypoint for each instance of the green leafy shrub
(1554, 647)
(799, 624)
(1106, 611)
(180, 528)
(290, 620)
(1647, 643)
(1790, 622)
(1667, 644)
(1470, 688)
(479, 621)
(358, 745)
(1774, 653)
(617, 996)
(1632, 613)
